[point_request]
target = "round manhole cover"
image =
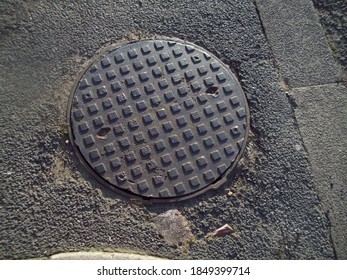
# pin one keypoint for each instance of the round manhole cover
(158, 119)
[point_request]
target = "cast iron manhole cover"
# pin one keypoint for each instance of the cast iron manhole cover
(158, 119)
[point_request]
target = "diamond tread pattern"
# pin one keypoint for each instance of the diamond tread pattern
(159, 119)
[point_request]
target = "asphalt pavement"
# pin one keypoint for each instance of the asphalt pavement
(280, 204)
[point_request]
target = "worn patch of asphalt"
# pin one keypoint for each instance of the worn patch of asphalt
(333, 17)
(49, 203)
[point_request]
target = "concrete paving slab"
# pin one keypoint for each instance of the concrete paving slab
(333, 17)
(298, 42)
(321, 115)
(100, 256)
(50, 204)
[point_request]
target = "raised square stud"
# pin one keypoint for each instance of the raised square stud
(145, 151)
(143, 186)
(208, 82)
(130, 157)
(208, 111)
(83, 83)
(118, 129)
(222, 137)
(124, 143)
(195, 116)
(202, 70)
(94, 155)
(109, 149)
(139, 137)
(157, 72)
(181, 121)
(179, 188)
(133, 124)
(183, 63)
(78, 114)
(202, 98)
(107, 104)
(174, 140)
(180, 154)
(153, 132)
(182, 91)
(110, 75)
(155, 101)
(241, 113)
(158, 180)
(169, 96)
(132, 53)
(119, 58)
(215, 123)
(161, 113)
(209, 175)
(215, 155)
(112, 117)
(92, 109)
(175, 108)
(194, 148)
(229, 150)
(177, 52)
(129, 81)
(136, 171)
(214, 66)
(89, 140)
(235, 131)
(194, 182)
(149, 89)
(227, 89)
(166, 159)
(151, 165)
(189, 75)
(170, 67)
(151, 61)
(105, 62)
(115, 163)
(124, 70)
(159, 145)
(201, 162)
(116, 86)
(98, 121)
(187, 168)
(188, 134)
(221, 106)
(221, 77)
(83, 127)
(189, 103)
(172, 173)
(221, 169)
(138, 65)
(121, 98)
(135, 93)
(208, 142)
(97, 79)
(167, 126)
(147, 119)
(127, 111)
(100, 168)
(145, 49)
(141, 105)
(201, 129)
(143, 76)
